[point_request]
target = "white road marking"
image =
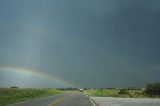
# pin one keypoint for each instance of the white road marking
(86, 95)
(92, 102)
(90, 99)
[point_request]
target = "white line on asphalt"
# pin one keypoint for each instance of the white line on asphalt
(92, 102)
(90, 99)
(86, 95)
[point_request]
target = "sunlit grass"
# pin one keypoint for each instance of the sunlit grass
(13, 95)
(101, 92)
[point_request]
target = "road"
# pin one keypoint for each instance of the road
(110, 101)
(67, 99)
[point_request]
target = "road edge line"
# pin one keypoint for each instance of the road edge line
(90, 99)
(92, 102)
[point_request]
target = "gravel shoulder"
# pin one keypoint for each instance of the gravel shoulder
(111, 101)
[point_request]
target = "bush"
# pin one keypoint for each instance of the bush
(13, 87)
(153, 89)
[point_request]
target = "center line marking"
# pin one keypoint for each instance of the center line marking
(58, 101)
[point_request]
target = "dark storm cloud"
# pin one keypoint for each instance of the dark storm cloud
(92, 43)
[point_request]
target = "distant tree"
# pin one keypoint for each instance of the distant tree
(13, 87)
(153, 89)
(70, 88)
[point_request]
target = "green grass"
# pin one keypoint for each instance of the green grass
(116, 93)
(102, 93)
(13, 95)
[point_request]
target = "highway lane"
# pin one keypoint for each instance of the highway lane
(76, 99)
(67, 99)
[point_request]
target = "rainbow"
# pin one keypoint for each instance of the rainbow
(27, 71)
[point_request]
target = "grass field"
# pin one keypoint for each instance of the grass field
(116, 93)
(13, 95)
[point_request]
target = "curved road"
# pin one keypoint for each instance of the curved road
(67, 99)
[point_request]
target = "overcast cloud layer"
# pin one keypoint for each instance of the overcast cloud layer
(93, 43)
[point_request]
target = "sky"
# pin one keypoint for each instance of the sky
(87, 43)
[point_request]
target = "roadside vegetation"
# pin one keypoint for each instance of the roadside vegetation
(136, 93)
(13, 95)
(153, 90)
(150, 91)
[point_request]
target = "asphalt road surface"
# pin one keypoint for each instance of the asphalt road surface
(67, 99)
(109, 101)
